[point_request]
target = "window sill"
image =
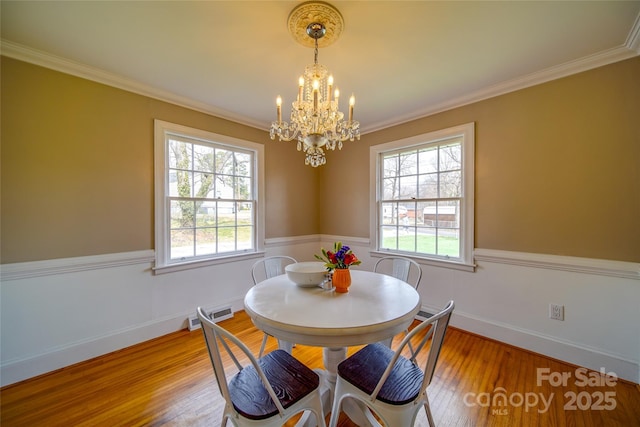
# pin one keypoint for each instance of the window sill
(455, 265)
(182, 266)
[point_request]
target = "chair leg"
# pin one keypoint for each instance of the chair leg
(410, 346)
(335, 410)
(318, 412)
(427, 409)
(262, 346)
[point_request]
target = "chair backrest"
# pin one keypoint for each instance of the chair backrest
(400, 268)
(219, 339)
(438, 324)
(269, 267)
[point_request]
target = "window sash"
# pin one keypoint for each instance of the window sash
(410, 219)
(226, 217)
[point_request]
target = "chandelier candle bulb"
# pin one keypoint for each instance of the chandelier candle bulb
(352, 102)
(279, 108)
(300, 89)
(330, 83)
(316, 86)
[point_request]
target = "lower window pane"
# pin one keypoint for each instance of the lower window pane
(245, 238)
(226, 213)
(427, 240)
(245, 214)
(205, 241)
(389, 237)
(182, 213)
(226, 239)
(181, 244)
(449, 242)
(407, 240)
(206, 214)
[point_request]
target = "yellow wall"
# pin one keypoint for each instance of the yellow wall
(77, 167)
(557, 167)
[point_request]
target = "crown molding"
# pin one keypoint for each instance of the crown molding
(633, 40)
(630, 49)
(63, 65)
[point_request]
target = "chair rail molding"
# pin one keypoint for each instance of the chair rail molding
(25, 270)
(602, 267)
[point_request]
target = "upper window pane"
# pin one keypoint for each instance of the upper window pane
(450, 157)
(390, 166)
(428, 160)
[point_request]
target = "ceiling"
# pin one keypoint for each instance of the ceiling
(401, 59)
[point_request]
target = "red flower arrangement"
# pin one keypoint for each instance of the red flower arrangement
(342, 257)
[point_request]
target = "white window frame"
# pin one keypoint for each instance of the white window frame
(161, 183)
(467, 133)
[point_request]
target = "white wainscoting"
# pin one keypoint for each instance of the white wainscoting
(59, 312)
(507, 299)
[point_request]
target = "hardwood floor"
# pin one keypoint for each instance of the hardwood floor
(169, 382)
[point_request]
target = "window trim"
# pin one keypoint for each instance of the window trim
(467, 132)
(161, 187)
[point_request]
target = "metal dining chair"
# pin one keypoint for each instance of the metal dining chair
(263, 392)
(401, 268)
(267, 268)
(389, 384)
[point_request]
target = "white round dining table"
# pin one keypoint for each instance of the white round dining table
(376, 308)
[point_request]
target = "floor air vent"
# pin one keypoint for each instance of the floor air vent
(216, 314)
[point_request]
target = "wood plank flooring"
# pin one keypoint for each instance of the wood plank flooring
(169, 382)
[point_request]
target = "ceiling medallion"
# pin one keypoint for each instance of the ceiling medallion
(311, 12)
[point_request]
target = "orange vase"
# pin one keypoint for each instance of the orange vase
(341, 280)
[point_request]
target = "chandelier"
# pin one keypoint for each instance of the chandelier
(316, 121)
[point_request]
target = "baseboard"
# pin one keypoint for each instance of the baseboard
(549, 346)
(19, 370)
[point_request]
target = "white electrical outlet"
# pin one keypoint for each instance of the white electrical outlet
(556, 311)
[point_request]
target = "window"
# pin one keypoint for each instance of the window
(424, 192)
(207, 204)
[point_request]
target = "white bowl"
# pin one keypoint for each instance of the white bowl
(306, 273)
